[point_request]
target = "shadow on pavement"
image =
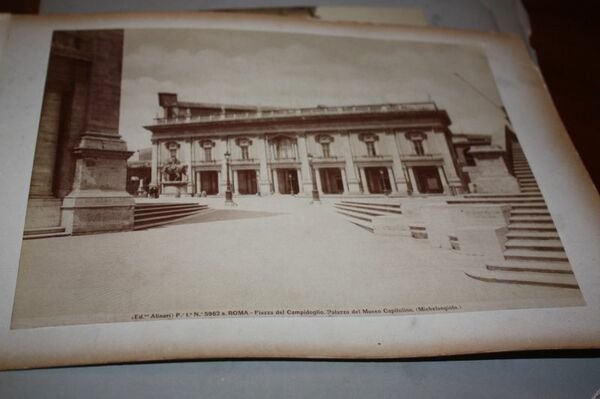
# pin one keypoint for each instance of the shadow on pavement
(220, 215)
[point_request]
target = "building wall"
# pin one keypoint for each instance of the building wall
(348, 153)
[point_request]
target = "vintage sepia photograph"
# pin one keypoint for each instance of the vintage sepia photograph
(205, 173)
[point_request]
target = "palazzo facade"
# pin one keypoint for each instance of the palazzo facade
(394, 149)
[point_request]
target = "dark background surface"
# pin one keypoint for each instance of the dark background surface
(566, 37)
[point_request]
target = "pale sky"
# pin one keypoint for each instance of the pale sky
(293, 70)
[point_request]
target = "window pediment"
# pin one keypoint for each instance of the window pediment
(324, 139)
(207, 144)
(368, 137)
(415, 135)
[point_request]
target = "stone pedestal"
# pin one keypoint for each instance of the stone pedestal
(485, 241)
(98, 201)
(43, 212)
(174, 189)
(264, 187)
(490, 175)
(443, 221)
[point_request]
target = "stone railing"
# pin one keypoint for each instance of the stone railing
(291, 112)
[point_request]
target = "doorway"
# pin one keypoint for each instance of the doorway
(331, 180)
(428, 180)
(288, 181)
(247, 182)
(378, 180)
(209, 182)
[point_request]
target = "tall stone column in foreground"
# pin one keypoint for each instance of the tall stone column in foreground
(98, 200)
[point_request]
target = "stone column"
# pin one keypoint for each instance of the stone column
(300, 185)
(189, 174)
(222, 149)
(154, 177)
(392, 179)
(351, 177)
(318, 177)
(275, 182)
(236, 189)
(99, 201)
(399, 178)
(264, 187)
(365, 184)
(306, 183)
(198, 183)
(443, 180)
(344, 180)
(413, 180)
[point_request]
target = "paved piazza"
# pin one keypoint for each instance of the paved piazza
(265, 254)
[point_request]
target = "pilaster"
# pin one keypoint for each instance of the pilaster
(351, 177)
(264, 186)
(306, 181)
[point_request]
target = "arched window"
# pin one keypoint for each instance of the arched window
(284, 148)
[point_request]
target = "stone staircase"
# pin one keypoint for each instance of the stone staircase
(44, 232)
(363, 213)
(533, 254)
(158, 214)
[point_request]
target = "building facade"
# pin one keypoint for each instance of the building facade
(393, 149)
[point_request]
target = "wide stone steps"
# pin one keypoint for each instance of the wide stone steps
(533, 255)
(376, 204)
(555, 280)
(44, 232)
(357, 213)
(531, 190)
(530, 219)
(531, 227)
(144, 208)
(505, 196)
(358, 219)
(153, 215)
(531, 186)
(530, 212)
(539, 245)
(514, 200)
(362, 213)
(535, 267)
(534, 235)
(376, 209)
(166, 211)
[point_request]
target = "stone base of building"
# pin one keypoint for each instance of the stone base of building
(43, 212)
(93, 211)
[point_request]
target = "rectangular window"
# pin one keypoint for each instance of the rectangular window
(419, 147)
(245, 154)
(325, 148)
(371, 149)
(208, 154)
